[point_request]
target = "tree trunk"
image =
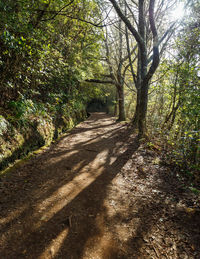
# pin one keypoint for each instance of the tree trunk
(127, 110)
(143, 109)
(116, 104)
(144, 74)
(137, 110)
(173, 116)
(122, 116)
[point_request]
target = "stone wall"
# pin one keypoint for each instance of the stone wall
(17, 141)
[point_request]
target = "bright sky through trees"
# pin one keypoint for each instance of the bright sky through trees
(178, 12)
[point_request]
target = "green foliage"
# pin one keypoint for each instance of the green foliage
(175, 100)
(175, 109)
(44, 56)
(194, 190)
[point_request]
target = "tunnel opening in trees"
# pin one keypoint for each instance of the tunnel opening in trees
(96, 105)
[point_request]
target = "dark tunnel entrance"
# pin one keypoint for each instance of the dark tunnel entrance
(96, 105)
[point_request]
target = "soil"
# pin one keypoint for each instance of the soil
(97, 193)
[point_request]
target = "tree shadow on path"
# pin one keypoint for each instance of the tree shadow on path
(68, 220)
(62, 209)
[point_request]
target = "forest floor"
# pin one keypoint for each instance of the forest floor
(97, 193)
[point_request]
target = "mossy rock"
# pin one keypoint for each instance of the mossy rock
(18, 143)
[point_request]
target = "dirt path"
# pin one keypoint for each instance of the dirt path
(97, 194)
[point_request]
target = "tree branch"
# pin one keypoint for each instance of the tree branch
(127, 22)
(129, 54)
(162, 39)
(156, 57)
(98, 81)
(58, 11)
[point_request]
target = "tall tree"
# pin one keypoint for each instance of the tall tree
(142, 25)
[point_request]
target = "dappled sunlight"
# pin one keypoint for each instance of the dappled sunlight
(77, 167)
(72, 184)
(100, 159)
(12, 215)
(11, 219)
(112, 159)
(67, 154)
(53, 248)
(67, 192)
(102, 245)
(98, 136)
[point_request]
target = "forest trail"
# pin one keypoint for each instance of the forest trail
(97, 194)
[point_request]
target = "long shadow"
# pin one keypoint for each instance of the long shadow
(78, 130)
(56, 222)
(84, 149)
(85, 144)
(88, 202)
(85, 207)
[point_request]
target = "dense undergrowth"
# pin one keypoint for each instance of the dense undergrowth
(44, 58)
(28, 126)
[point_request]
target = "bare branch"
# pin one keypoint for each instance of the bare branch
(156, 57)
(129, 55)
(58, 11)
(169, 31)
(127, 22)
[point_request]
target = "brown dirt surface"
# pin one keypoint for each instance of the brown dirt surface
(97, 193)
